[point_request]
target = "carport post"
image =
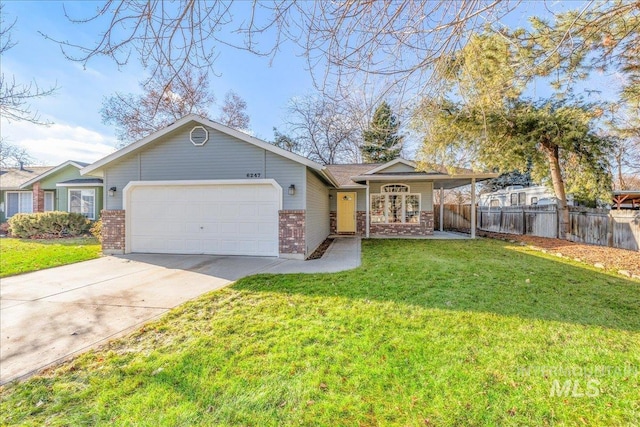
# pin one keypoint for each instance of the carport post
(441, 207)
(473, 208)
(367, 211)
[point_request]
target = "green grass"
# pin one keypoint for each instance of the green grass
(23, 255)
(424, 333)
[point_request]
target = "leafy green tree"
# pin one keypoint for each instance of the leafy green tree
(600, 37)
(382, 143)
(558, 139)
(486, 117)
(507, 179)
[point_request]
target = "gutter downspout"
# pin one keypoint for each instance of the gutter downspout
(367, 210)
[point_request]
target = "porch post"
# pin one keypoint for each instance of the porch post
(367, 210)
(441, 208)
(473, 208)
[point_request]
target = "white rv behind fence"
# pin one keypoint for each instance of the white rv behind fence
(518, 195)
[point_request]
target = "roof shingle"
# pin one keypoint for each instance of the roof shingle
(12, 178)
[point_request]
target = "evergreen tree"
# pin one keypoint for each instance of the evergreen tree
(381, 141)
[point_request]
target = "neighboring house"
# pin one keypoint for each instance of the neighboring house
(518, 195)
(49, 188)
(200, 187)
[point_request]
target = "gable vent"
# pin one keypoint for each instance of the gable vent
(199, 135)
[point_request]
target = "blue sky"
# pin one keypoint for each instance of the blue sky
(77, 132)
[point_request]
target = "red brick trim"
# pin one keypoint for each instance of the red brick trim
(113, 231)
(38, 197)
(361, 223)
(424, 228)
(291, 232)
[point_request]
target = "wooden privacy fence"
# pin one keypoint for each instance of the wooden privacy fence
(539, 221)
(614, 228)
(456, 217)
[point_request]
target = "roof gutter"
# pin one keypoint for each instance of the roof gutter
(435, 177)
(329, 177)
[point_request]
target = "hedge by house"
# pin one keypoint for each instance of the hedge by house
(96, 230)
(47, 224)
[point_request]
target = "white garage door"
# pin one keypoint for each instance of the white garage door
(220, 219)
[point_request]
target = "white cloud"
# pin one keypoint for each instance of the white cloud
(52, 145)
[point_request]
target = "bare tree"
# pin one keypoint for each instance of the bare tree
(323, 129)
(286, 142)
(160, 104)
(343, 41)
(15, 97)
(233, 112)
(12, 155)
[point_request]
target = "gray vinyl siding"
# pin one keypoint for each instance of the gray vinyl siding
(174, 157)
(317, 215)
(119, 175)
(398, 167)
(361, 197)
(287, 172)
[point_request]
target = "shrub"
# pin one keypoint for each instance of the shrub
(48, 224)
(96, 230)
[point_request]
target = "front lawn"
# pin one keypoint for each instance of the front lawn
(424, 333)
(23, 255)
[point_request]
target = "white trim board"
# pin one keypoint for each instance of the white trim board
(83, 184)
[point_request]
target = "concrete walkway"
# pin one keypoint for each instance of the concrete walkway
(343, 254)
(50, 315)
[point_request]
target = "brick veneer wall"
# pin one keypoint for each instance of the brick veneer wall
(291, 232)
(424, 228)
(361, 223)
(113, 229)
(38, 198)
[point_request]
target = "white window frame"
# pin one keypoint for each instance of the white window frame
(402, 194)
(6, 202)
(53, 200)
(81, 190)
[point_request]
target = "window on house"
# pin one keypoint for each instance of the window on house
(514, 199)
(394, 188)
(378, 208)
(395, 205)
(522, 199)
(534, 200)
(18, 202)
(82, 201)
(49, 197)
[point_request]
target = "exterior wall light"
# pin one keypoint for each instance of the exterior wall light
(112, 191)
(292, 190)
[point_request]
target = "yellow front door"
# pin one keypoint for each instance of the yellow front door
(346, 213)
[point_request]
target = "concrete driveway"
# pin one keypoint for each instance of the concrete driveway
(50, 315)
